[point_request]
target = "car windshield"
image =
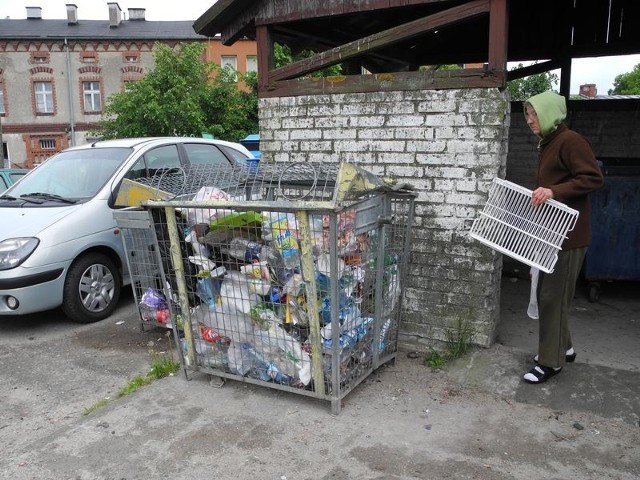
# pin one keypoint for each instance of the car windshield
(72, 174)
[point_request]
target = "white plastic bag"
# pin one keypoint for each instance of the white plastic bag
(532, 310)
(206, 215)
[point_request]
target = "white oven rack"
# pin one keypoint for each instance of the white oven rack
(511, 225)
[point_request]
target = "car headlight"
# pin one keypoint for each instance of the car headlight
(14, 251)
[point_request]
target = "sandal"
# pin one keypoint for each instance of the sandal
(540, 374)
(569, 357)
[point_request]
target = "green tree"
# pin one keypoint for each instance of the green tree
(282, 56)
(523, 88)
(230, 113)
(627, 83)
(182, 95)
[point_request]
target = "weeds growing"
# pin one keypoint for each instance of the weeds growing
(458, 343)
(162, 365)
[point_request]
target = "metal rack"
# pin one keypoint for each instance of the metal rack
(288, 276)
(511, 225)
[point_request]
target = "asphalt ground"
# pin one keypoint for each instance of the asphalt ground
(472, 419)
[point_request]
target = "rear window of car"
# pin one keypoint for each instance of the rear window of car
(237, 156)
(202, 154)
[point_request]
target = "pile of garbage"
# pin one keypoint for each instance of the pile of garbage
(251, 308)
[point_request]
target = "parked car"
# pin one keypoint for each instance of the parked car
(9, 176)
(59, 243)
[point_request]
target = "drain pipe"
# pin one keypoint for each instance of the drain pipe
(72, 122)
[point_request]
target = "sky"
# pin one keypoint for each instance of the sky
(98, 9)
(601, 70)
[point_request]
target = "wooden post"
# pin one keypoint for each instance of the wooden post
(264, 45)
(498, 35)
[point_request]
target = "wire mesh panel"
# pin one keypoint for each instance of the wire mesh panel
(144, 265)
(510, 224)
(280, 284)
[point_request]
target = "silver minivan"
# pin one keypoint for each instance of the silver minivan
(59, 242)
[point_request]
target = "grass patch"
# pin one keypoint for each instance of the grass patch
(434, 359)
(95, 406)
(162, 365)
(459, 340)
(134, 384)
(457, 344)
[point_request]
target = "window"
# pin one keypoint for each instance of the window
(43, 92)
(202, 154)
(91, 96)
(252, 63)
(39, 57)
(165, 157)
(89, 59)
(47, 143)
(2, 110)
(131, 57)
(230, 62)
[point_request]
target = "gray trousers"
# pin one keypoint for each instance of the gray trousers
(555, 295)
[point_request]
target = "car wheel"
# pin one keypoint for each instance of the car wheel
(91, 289)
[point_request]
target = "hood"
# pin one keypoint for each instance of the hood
(551, 110)
(29, 222)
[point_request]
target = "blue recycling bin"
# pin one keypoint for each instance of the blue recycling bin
(252, 143)
(614, 253)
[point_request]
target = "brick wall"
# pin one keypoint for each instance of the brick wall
(449, 144)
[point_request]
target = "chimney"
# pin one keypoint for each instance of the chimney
(136, 13)
(588, 90)
(115, 14)
(34, 13)
(72, 14)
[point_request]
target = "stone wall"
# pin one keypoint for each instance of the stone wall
(449, 144)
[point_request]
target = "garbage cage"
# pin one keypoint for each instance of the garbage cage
(615, 219)
(144, 265)
(298, 273)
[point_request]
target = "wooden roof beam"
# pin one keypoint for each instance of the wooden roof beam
(385, 38)
(534, 69)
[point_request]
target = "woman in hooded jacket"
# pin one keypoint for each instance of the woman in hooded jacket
(567, 172)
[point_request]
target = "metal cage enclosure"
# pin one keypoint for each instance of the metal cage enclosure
(284, 275)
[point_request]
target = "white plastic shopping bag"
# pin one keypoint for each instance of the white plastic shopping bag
(532, 310)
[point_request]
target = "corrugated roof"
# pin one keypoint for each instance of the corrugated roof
(11, 29)
(612, 97)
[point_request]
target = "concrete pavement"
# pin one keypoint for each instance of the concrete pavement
(474, 419)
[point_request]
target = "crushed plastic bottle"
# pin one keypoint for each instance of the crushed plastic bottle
(262, 369)
(245, 250)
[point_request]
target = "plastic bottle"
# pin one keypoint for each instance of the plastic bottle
(199, 250)
(280, 228)
(245, 249)
(384, 334)
(275, 263)
(208, 290)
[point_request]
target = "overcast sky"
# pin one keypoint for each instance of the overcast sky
(601, 71)
(98, 9)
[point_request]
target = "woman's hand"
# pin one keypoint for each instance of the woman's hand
(541, 195)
